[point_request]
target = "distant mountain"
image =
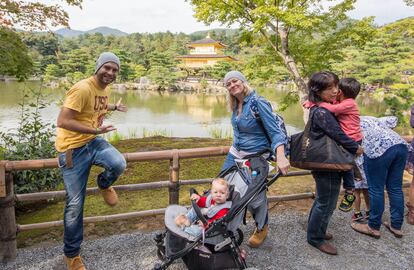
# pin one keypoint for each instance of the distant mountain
(106, 31)
(66, 32)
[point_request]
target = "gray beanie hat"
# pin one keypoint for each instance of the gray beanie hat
(106, 57)
(234, 74)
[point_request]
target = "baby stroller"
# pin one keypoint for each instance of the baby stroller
(218, 247)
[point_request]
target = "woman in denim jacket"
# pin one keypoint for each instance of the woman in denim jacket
(251, 136)
(323, 86)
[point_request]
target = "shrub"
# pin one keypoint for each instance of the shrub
(31, 140)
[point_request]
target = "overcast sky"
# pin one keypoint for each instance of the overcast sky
(177, 15)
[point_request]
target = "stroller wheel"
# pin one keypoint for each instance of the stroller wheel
(239, 237)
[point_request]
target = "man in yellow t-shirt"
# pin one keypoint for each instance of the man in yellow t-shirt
(79, 122)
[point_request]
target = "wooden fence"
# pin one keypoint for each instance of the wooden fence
(9, 228)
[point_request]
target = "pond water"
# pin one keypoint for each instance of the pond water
(162, 113)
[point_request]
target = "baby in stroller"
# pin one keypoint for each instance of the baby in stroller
(214, 206)
(222, 236)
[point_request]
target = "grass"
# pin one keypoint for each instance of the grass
(115, 137)
(220, 133)
(157, 132)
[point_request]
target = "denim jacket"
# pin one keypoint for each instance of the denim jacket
(249, 135)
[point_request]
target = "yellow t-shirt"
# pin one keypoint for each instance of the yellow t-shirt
(91, 102)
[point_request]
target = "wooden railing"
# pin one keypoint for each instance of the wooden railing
(9, 228)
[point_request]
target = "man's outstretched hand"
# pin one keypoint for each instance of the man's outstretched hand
(105, 129)
(121, 107)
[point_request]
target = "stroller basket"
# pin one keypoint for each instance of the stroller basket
(220, 248)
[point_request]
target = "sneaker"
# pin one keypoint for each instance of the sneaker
(357, 216)
(258, 237)
(346, 203)
(74, 263)
(110, 196)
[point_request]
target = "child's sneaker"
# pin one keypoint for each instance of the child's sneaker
(357, 216)
(347, 201)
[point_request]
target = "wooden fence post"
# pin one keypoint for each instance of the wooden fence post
(8, 229)
(174, 187)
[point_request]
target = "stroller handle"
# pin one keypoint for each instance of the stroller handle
(198, 213)
(273, 178)
(193, 191)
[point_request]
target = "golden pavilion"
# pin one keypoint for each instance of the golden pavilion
(205, 52)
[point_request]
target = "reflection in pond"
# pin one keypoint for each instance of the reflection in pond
(161, 113)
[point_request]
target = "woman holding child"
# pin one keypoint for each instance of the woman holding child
(253, 132)
(323, 87)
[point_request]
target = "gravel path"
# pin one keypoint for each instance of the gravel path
(285, 248)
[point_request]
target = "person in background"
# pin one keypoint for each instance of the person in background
(252, 135)
(323, 87)
(385, 154)
(79, 122)
(361, 189)
(347, 112)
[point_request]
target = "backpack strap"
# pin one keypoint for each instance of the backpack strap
(254, 109)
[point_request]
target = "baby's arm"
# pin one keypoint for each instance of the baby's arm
(195, 197)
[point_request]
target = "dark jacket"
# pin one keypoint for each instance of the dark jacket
(412, 117)
(324, 122)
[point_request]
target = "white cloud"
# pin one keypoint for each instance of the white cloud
(385, 11)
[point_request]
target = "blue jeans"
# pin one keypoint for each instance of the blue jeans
(228, 162)
(328, 185)
(257, 207)
(193, 229)
(348, 177)
(386, 170)
(348, 180)
(96, 152)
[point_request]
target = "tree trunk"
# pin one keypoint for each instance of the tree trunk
(293, 70)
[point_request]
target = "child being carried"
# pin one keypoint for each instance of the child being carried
(213, 206)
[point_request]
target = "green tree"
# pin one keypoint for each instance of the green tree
(126, 72)
(76, 61)
(15, 60)
(33, 15)
(282, 23)
(220, 69)
(162, 70)
(161, 76)
(139, 71)
(28, 15)
(52, 72)
(385, 64)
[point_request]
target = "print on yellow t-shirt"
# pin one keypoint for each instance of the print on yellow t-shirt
(91, 103)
